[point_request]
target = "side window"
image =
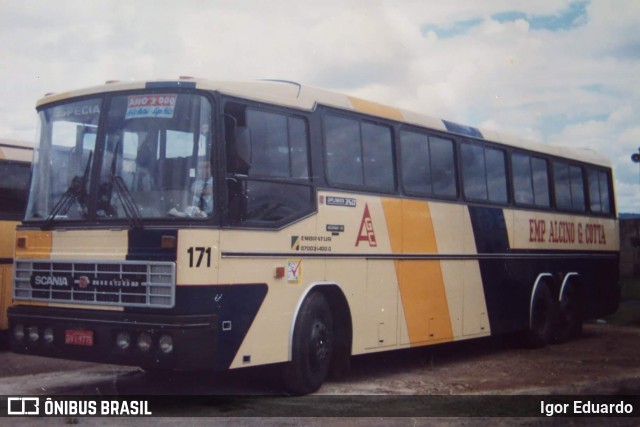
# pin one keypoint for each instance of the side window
(600, 201)
(484, 173)
(530, 180)
(377, 155)
(343, 151)
(428, 166)
(268, 166)
(279, 145)
(569, 187)
(359, 153)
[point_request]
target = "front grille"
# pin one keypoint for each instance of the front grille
(122, 283)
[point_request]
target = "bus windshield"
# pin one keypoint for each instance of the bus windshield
(148, 158)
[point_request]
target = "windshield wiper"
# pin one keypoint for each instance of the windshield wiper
(122, 191)
(77, 192)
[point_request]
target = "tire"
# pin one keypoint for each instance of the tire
(544, 318)
(570, 315)
(313, 346)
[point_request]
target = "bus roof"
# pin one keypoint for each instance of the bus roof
(294, 95)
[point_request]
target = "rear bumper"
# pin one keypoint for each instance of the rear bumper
(193, 338)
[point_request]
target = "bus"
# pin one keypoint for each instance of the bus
(195, 224)
(15, 169)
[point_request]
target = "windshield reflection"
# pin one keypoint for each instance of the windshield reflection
(155, 160)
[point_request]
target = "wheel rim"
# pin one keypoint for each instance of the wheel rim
(320, 346)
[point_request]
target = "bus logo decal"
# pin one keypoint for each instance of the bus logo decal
(295, 243)
(366, 231)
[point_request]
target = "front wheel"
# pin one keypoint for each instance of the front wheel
(312, 346)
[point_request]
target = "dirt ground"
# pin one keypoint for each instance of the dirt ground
(603, 361)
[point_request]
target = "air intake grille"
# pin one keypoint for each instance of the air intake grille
(128, 283)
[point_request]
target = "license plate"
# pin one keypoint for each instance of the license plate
(78, 337)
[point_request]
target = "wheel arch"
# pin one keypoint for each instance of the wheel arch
(543, 279)
(572, 278)
(340, 310)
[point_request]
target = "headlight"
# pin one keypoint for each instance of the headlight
(33, 334)
(18, 332)
(144, 341)
(48, 335)
(166, 344)
(123, 340)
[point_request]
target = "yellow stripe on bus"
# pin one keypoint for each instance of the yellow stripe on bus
(375, 109)
(35, 244)
(421, 283)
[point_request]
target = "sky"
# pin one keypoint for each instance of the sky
(561, 72)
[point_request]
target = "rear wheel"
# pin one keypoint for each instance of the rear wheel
(313, 346)
(570, 314)
(544, 316)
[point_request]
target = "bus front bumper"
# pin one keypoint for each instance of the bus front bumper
(150, 341)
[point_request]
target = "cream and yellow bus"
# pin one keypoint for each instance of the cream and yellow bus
(192, 224)
(15, 169)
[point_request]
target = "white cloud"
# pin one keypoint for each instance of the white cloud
(575, 86)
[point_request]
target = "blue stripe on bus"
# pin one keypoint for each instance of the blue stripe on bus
(175, 84)
(508, 280)
(146, 245)
(235, 308)
(505, 282)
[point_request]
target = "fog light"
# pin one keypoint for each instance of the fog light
(123, 340)
(18, 332)
(166, 344)
(144, 341)
(48, 335)
(33, 334)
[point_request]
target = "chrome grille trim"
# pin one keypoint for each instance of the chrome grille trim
(95, 282)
